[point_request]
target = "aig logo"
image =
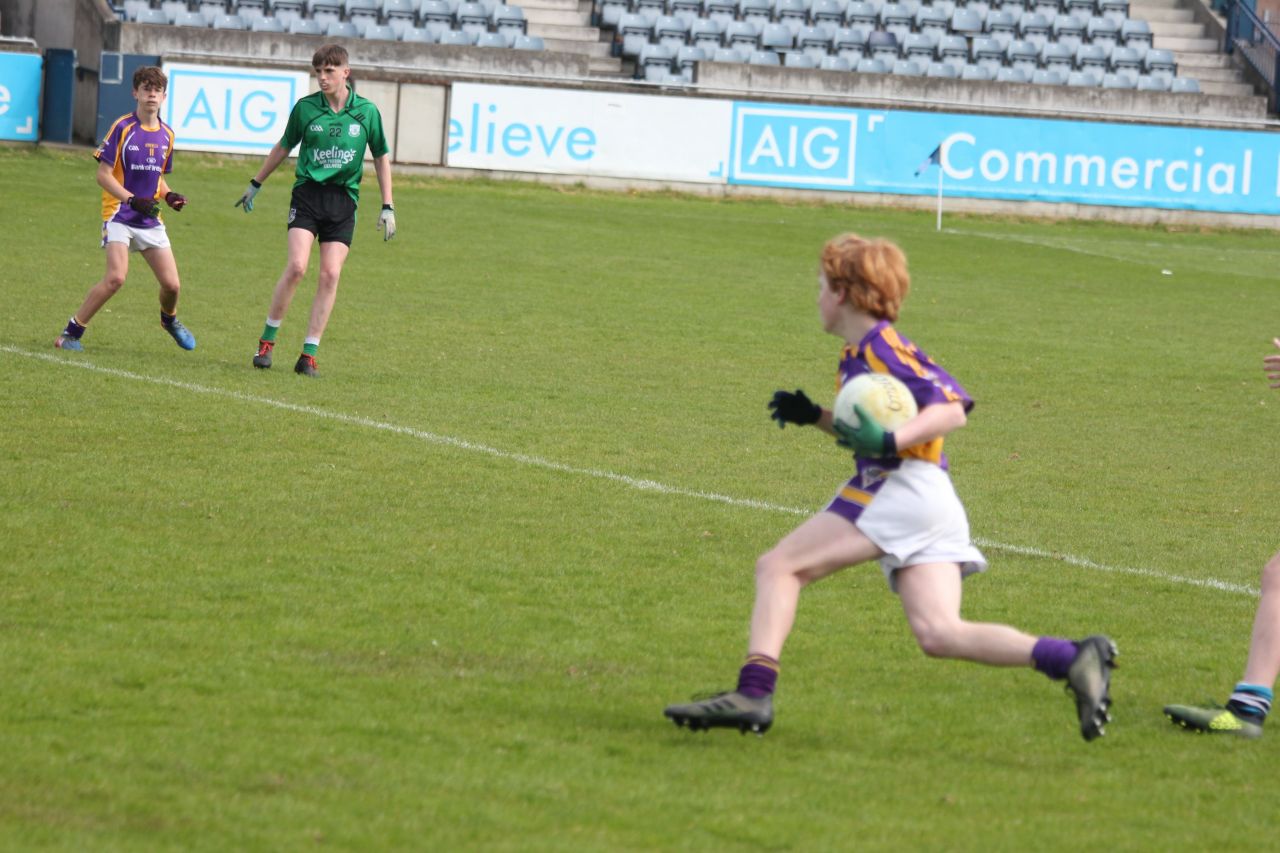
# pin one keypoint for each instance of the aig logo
(779, 145)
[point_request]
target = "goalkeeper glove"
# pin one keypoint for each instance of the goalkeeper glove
(794, 408)
(387, 222)
(868, 440)
(177, 201)
(249, 193)
(145, 206)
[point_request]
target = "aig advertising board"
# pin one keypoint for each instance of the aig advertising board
(20, 96)
(229, 109)
(856, 150)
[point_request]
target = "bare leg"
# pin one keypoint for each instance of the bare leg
(109, 285)
(332, 257)
(821, 546)
(300, 241)
(1263, 666)
(930, 596)
(165, 268)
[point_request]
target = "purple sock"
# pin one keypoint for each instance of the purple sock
(758, 676)
(1053, 656)
(73, 329)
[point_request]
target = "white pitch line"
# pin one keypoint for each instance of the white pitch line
(631, 482)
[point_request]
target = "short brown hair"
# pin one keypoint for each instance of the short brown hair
(150, 75)
(329, 54)
(872, 272)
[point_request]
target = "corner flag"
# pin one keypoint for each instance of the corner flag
(934, 159)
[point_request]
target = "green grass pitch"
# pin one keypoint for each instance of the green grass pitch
(438, 598)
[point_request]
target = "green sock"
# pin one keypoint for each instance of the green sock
(310, 349)
(269, 332)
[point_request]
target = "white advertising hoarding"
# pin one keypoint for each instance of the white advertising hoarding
(566, 132)
(230, 109)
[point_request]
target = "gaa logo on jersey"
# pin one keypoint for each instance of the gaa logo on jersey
(315, 128)
(353, 130)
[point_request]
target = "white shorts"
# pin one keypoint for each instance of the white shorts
(137, 239)
(916, 518)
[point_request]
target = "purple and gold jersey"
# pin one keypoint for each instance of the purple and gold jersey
(883, 350)
(138, 156)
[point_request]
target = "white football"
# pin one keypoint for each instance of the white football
(886, 399)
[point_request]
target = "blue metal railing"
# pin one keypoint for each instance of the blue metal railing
(1260, 47)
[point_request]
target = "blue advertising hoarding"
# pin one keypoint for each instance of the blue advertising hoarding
(20, 96)
(1023, 159)
(230, 109)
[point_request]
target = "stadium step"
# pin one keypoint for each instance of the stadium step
(1177, 29)
(560, 5)
(587, 48)
(1161, 14)
(560, 32)
(1216, 87)
(1185, 45)
(555, 17)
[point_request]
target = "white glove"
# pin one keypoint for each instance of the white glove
(387, 222)
(249, 193)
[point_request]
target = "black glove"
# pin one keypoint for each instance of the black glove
(794, 408)
(175, 200)
(145, 206)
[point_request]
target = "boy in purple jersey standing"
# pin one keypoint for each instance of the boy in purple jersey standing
(899, 508)
(133, 159)
(1250, 702)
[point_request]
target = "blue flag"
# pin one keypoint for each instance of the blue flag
(934, 159)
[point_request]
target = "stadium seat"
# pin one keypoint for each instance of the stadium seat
(171, 8)
(417, 35)
(190, 19)
(1082, 10)
(1082, 78)
(742, 35)
(954, 51)
(849, 43)
(1047, 8)
(728, 54)
(325, 11)
(1035, 28)
(758, 12)
(1185, 85)
(400, 14)
(379, 32)
(671, 31)
(1160, 63)
(1012, 75)
(611, 11)
(1137, 35)
(1001, 26)
(491, 40)
(1153, 84)
(918, 47)
(1023, 55)
(930, 21)
(828, 14)
(814, 41)
(862, 14)
(211, 9)
(1126, 60)
(776, 37)
(151, 16)
(510, 21)
(942, 69)
(1114, 10)
(705, 33)
(976, 72)
(248, 9)
(527, 42)
(721, 11)
(287, 11)
(472, 18)
(341, 30)
(834, 63)
(763, 57)
(229, 22)
(1118, 81)
(267, 25)
(793, 14)
(436, 17)
(871, 65)
(1057, 57)
(650, 10)
(988, 53)
(883, 46)
(133, 7)
(362, 13)
(634, 31)
(1068, 31)
(906, 68)
(1103, 31)
(1045, 77)
(966, 22)
(1092, 58)
(796, 59)
(896, 19)
(686, 10)
(687, 59)
(306, 27)
(458, 38)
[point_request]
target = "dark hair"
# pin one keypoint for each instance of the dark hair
(329, 54)
(150, 75)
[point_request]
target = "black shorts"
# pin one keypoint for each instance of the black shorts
(326, 210)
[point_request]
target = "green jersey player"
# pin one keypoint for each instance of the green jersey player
(332, 128)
